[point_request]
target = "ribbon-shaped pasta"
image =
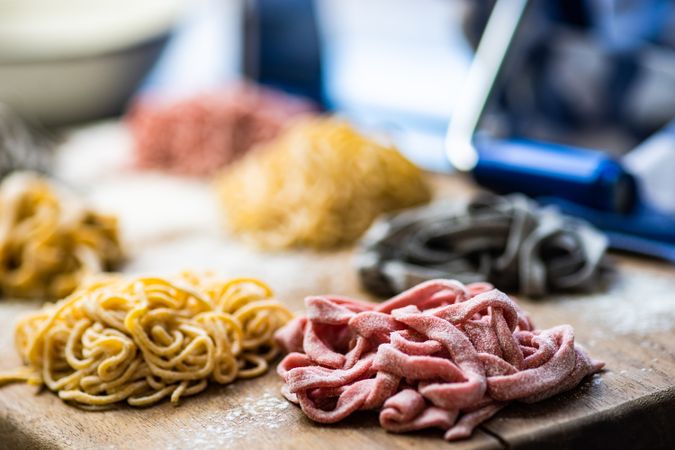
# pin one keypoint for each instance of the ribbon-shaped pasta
(140, 340)
(509, 241)
(439, 355)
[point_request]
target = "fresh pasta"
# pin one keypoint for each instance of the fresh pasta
(199, 135)
(140, 340)
(439, 355)
(320, 184)
(509, 241)
(49, 241)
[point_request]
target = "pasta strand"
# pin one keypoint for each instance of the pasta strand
(49, 242)
(320, 184)
(143, 339)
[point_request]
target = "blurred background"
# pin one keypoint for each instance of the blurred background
(596, 75)
(594, 72)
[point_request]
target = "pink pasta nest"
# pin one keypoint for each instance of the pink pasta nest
(201, 134)
(441, 355)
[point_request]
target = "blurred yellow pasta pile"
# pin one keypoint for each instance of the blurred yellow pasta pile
(140, 340)
(48, 240)
(320, 184)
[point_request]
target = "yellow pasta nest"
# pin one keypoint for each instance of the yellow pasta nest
(140, 340)
(48, 240)
(320, 184)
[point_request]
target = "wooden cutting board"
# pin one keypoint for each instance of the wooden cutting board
(631, 326)
(632, 402)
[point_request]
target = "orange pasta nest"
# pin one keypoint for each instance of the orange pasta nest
(141, 339)
(49, 241)
(320, 184)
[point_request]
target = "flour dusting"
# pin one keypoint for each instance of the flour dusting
(637, 303)
(232, 427)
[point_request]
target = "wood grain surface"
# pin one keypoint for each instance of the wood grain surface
(170, 225)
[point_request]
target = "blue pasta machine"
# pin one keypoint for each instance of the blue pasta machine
(581, 182)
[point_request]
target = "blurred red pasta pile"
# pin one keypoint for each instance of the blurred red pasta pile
(201, 134)
(441, 355)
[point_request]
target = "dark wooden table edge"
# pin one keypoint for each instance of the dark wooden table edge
(645, 423)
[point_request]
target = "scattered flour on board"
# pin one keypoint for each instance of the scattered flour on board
(230, 427)
(636, 303)
(285, 271)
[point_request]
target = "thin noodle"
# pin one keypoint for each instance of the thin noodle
(141, 340)
(48, 241)
(320, 184)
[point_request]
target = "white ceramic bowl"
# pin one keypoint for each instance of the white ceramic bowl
(64, 61)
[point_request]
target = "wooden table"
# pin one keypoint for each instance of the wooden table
(631, 326)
